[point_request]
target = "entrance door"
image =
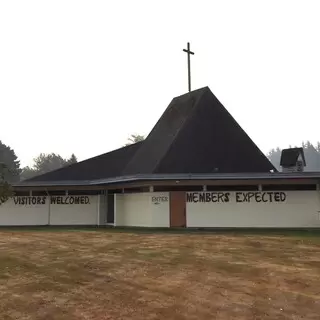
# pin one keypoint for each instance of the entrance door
(178, 209)
(110, 212)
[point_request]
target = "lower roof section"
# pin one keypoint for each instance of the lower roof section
(176, 178)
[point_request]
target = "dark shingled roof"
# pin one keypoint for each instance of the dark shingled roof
(107, 165)
(195, 134)
(290, 156)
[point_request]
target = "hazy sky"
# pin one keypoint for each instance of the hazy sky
(81, 76)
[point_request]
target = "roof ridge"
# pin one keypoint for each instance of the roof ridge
(191, 92)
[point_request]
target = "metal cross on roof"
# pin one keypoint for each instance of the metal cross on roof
(189, 71)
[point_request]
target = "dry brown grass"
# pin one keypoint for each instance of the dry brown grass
(113, 275)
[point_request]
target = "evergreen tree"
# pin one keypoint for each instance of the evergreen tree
(134, 138)
(311, 152)
(10, 161)
(5, 188)
(45, 163)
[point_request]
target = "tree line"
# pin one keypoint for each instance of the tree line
(11, 171)
(311, 153)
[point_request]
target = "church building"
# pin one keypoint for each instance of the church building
(197, 168)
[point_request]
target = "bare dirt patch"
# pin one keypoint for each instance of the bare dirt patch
(113, 275)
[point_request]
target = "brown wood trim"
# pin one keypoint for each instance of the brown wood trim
(178, 218)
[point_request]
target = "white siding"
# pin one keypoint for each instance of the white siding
(139, 209)
(75, 214)
(20, 211)
(300, 209)
(12, 214)
(160, 209)
(135, 210)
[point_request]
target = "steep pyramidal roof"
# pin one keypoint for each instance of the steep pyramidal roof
(195, 134)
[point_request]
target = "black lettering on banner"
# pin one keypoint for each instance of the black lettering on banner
(70, 200)
(208, 197)
(220, 197)
(202, 197)
(258, 197)
(264, 197)
(41, 200)
(240, 197)
(245, 197)
(22, 201)
(238, 194)
(155, 200)
(195, 197)
(250, 196)
(190, 197)
(283, 196)
(277, 196)
(214, 197)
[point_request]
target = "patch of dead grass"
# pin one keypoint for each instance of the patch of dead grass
(106, 275)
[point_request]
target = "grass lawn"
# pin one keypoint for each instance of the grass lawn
(131, 275)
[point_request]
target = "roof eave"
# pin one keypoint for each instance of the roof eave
(169, 177)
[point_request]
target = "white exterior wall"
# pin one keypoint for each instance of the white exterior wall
(160, 209)
(85, 213)
(14, 214)
(19, 211)
(133, 210)
(142, 209)
(300, 209)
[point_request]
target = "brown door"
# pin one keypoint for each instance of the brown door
(177, 209)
